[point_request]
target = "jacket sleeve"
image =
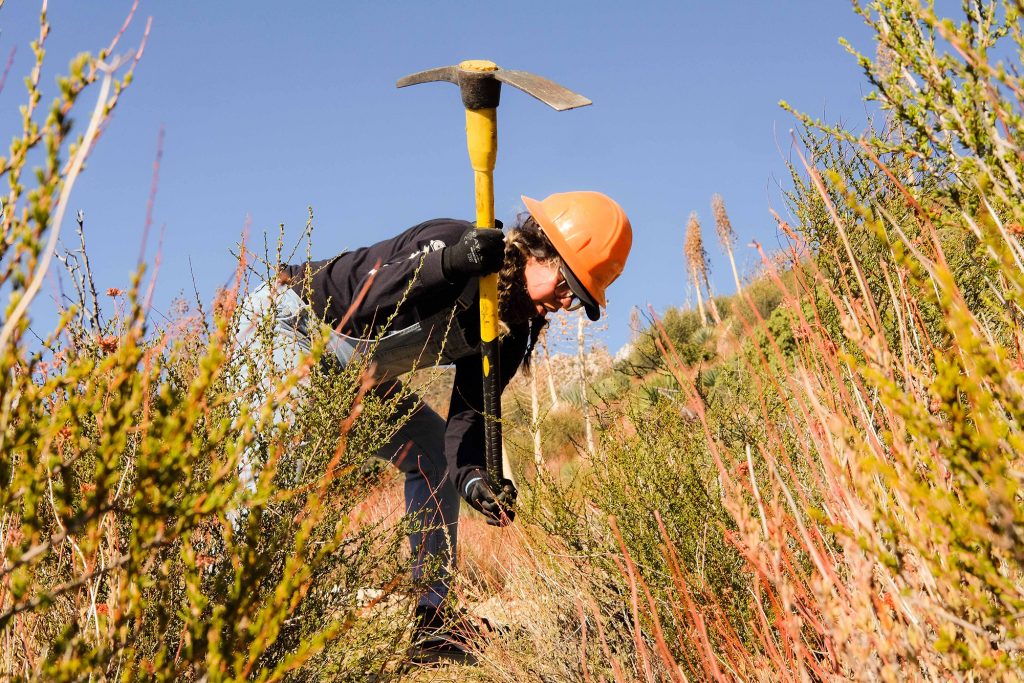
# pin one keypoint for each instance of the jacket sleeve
(464, 435)
(410, 265)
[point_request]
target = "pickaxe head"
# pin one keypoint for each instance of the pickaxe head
(480, 82)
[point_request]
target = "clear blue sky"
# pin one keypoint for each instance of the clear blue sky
(271, 107)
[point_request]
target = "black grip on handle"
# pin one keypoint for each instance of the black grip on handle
(492, 412)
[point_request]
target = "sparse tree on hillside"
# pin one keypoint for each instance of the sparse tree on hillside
(726, 235)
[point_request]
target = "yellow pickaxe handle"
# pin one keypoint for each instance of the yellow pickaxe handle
(482, 140)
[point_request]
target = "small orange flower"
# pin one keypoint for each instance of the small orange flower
(114, 291)
(108, 344)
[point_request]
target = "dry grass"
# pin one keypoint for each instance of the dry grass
(837, 498)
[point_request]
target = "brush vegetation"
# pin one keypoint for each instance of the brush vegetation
(823, 484)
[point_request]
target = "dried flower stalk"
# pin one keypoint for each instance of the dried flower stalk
(726, 235)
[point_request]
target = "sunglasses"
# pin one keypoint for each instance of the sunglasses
(562, 290)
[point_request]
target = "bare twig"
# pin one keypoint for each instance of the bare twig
(87, 275)
(7, 69)
(124, 27)
(153, 186)
(98, 114)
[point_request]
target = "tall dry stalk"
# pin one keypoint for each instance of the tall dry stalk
(538, 453)
(635, 326)
(581, 343)
(726, 235)
(548, 373)
(696, 262)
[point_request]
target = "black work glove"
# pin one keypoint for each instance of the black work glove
(479, 252)
(500, 508)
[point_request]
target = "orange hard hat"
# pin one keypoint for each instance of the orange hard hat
(592, 235)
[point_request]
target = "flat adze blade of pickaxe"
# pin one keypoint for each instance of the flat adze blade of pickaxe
(548, 92)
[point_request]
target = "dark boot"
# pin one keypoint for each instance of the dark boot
(446, 635)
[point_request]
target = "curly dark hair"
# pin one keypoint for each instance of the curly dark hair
(524, 240)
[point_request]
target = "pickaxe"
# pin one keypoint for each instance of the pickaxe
(480, 83)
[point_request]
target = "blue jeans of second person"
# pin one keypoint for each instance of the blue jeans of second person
(416, 448)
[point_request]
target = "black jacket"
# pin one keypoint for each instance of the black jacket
(408, 283)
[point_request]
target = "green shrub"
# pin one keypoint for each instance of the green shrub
(131, 549)
(562, 433)
(867, 440)
(683, 328)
